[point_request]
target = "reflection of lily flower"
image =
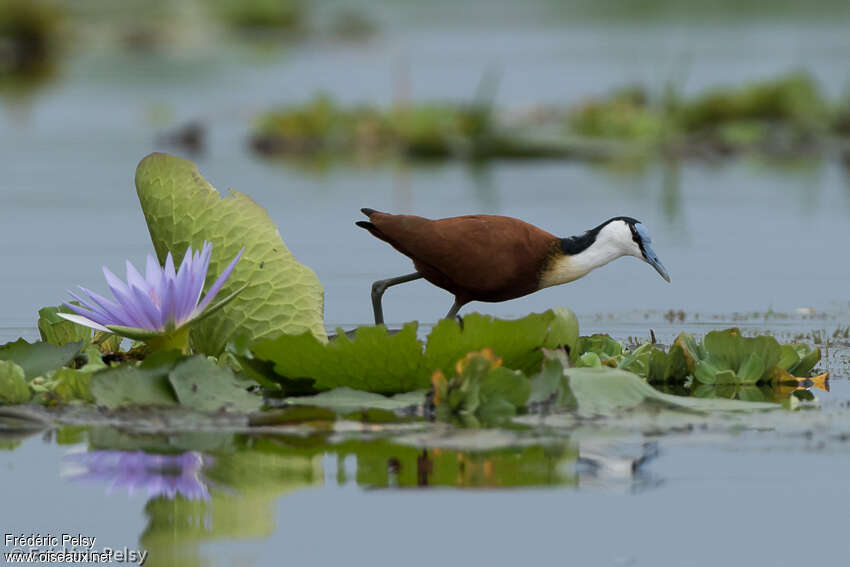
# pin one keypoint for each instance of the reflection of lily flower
(154, 474)
(162, 302)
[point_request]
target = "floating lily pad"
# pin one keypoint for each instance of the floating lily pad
(37, 359)
(182, 209)
(375, 360)
(202, 385)
(129, 385)
(607, 391)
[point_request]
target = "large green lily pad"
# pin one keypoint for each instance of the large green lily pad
(38, 358)
(202, 385)
(182, 209)
(374, 360)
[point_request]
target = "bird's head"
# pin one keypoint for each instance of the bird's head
(632, 238)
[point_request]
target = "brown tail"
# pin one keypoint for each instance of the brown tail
(369, 226)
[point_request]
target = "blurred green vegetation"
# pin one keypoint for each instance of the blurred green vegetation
(787, 115)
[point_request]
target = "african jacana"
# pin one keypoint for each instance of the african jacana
(494, 258)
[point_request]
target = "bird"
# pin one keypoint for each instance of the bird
(494, 258)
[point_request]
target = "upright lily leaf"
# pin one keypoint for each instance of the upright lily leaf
(516, 342)
(202, 385)
(182, 209)
(13, 385)
(38, 358)
(374, 360)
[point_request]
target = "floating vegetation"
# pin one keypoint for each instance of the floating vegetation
(321, 127)
(261, 15)
(267, 345)
(786, 115)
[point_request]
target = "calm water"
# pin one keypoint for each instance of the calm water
(737, 236)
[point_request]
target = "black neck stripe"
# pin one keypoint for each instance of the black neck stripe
(573, 245)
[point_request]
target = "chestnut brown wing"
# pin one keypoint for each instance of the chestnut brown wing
(485, 256)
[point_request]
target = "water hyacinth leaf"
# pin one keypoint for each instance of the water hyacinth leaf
(502, 391)
(751, 369)
(202, 385)
(13, 384)
(39, 358)
(600, 344)
(182, 209)
(373, 361)
(58, 331)
(730, 350)
(667, 366)
(129, 385)
(546, 384)
(348, 400)
(808, 358)
(516, 342)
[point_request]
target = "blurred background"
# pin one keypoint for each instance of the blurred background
(724, 126)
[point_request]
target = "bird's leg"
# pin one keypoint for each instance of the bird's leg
(453, 311)
(380, 286)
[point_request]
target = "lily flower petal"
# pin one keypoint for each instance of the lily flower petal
(215, 287)
(164, 300)
(82, 320)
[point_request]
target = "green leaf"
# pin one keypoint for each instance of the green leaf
(516, 342)
(182, 209)
(58, 331)
(808, 358)
(13, 384)
(751, 369)
(347, 400)
(69, 384)
(128, 385)
(589, 360)
(546, 385)
(602, 345)
(606, 391)
(202, 385)
(38, 358)
(667, 367)
(373, 361)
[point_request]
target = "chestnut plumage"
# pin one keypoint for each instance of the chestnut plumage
(496, 258)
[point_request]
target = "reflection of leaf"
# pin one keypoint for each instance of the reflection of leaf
(58, 331)
(13, 385)
(374, 360)
(38, 358)
(202, 385)
(182, 209)
(348, 399)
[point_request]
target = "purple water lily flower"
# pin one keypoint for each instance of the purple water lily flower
(161, 302)
(152, 474)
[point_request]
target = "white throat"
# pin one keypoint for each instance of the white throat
(614, 240)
